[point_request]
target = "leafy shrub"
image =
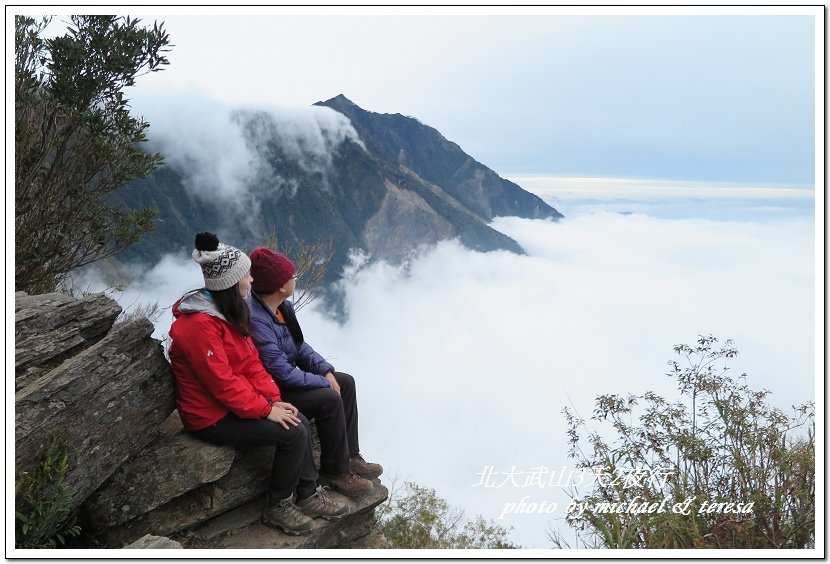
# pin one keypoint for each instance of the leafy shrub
(76, 142)
(421, 519)
(721, 442)
(42, 516)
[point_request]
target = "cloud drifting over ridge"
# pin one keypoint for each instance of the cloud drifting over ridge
(205, 139)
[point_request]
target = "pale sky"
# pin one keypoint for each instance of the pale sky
(671, 93)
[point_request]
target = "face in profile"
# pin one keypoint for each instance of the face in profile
(244, 285)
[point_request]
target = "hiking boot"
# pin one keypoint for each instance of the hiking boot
(286, 516)
(348, 483)
(368, 470)
(320, 504)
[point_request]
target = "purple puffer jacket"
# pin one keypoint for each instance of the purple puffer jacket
(288, 358)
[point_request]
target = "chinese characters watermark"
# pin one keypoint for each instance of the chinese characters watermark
(542, 477)
(654, 479)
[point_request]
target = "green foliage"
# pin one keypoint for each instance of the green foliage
(76, 142)
(421, 519)
(42, 516)
(720, 442)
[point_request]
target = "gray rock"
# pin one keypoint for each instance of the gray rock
(232, 520)
(106, 403)
(244, 484)
(247, 479)
(152, 541)
(403, 216)
(49, 328)
(170, 466)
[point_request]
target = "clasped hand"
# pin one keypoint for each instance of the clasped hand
(285, 414)
(333, 382)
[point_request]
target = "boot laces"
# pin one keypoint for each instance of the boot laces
(291, 511)
(323, 496)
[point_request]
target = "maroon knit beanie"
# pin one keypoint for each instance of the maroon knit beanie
(270, 270)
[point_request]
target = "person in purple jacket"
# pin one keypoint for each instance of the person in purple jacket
(305, 378)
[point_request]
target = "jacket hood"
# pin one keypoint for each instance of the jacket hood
(197, 301)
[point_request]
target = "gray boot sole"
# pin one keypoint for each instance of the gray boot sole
(351, 495)
(285, 529)
(327, 517)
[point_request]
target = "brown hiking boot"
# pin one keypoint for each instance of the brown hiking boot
(286, 516)
(348, 483)
(320, 504)
(368, 470)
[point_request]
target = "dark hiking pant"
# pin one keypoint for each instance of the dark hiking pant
(293, 468)
(336, 419)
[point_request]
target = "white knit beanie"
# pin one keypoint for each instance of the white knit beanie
(222, 265)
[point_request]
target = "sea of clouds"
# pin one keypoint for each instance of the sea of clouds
(464, 360)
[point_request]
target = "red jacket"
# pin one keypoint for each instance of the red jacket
(217, 369)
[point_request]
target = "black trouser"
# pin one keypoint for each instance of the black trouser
(336, 419)
(293, 468)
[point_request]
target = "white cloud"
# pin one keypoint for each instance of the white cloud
(309, 132)
(205, 139)
(198, 136)
(466, 360)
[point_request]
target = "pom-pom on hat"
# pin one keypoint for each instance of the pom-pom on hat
(270, 270)
(222, 265)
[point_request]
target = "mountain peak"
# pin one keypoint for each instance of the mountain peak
(339, 100)
(415, 149)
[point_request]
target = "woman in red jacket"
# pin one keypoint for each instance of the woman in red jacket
(224, 395)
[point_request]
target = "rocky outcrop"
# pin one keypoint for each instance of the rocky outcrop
(210, 497)
(50, 328)
(245, 480)
(136, 477)
(105, 403)
(174, 464)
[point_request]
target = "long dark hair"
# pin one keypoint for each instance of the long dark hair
(231, 304)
